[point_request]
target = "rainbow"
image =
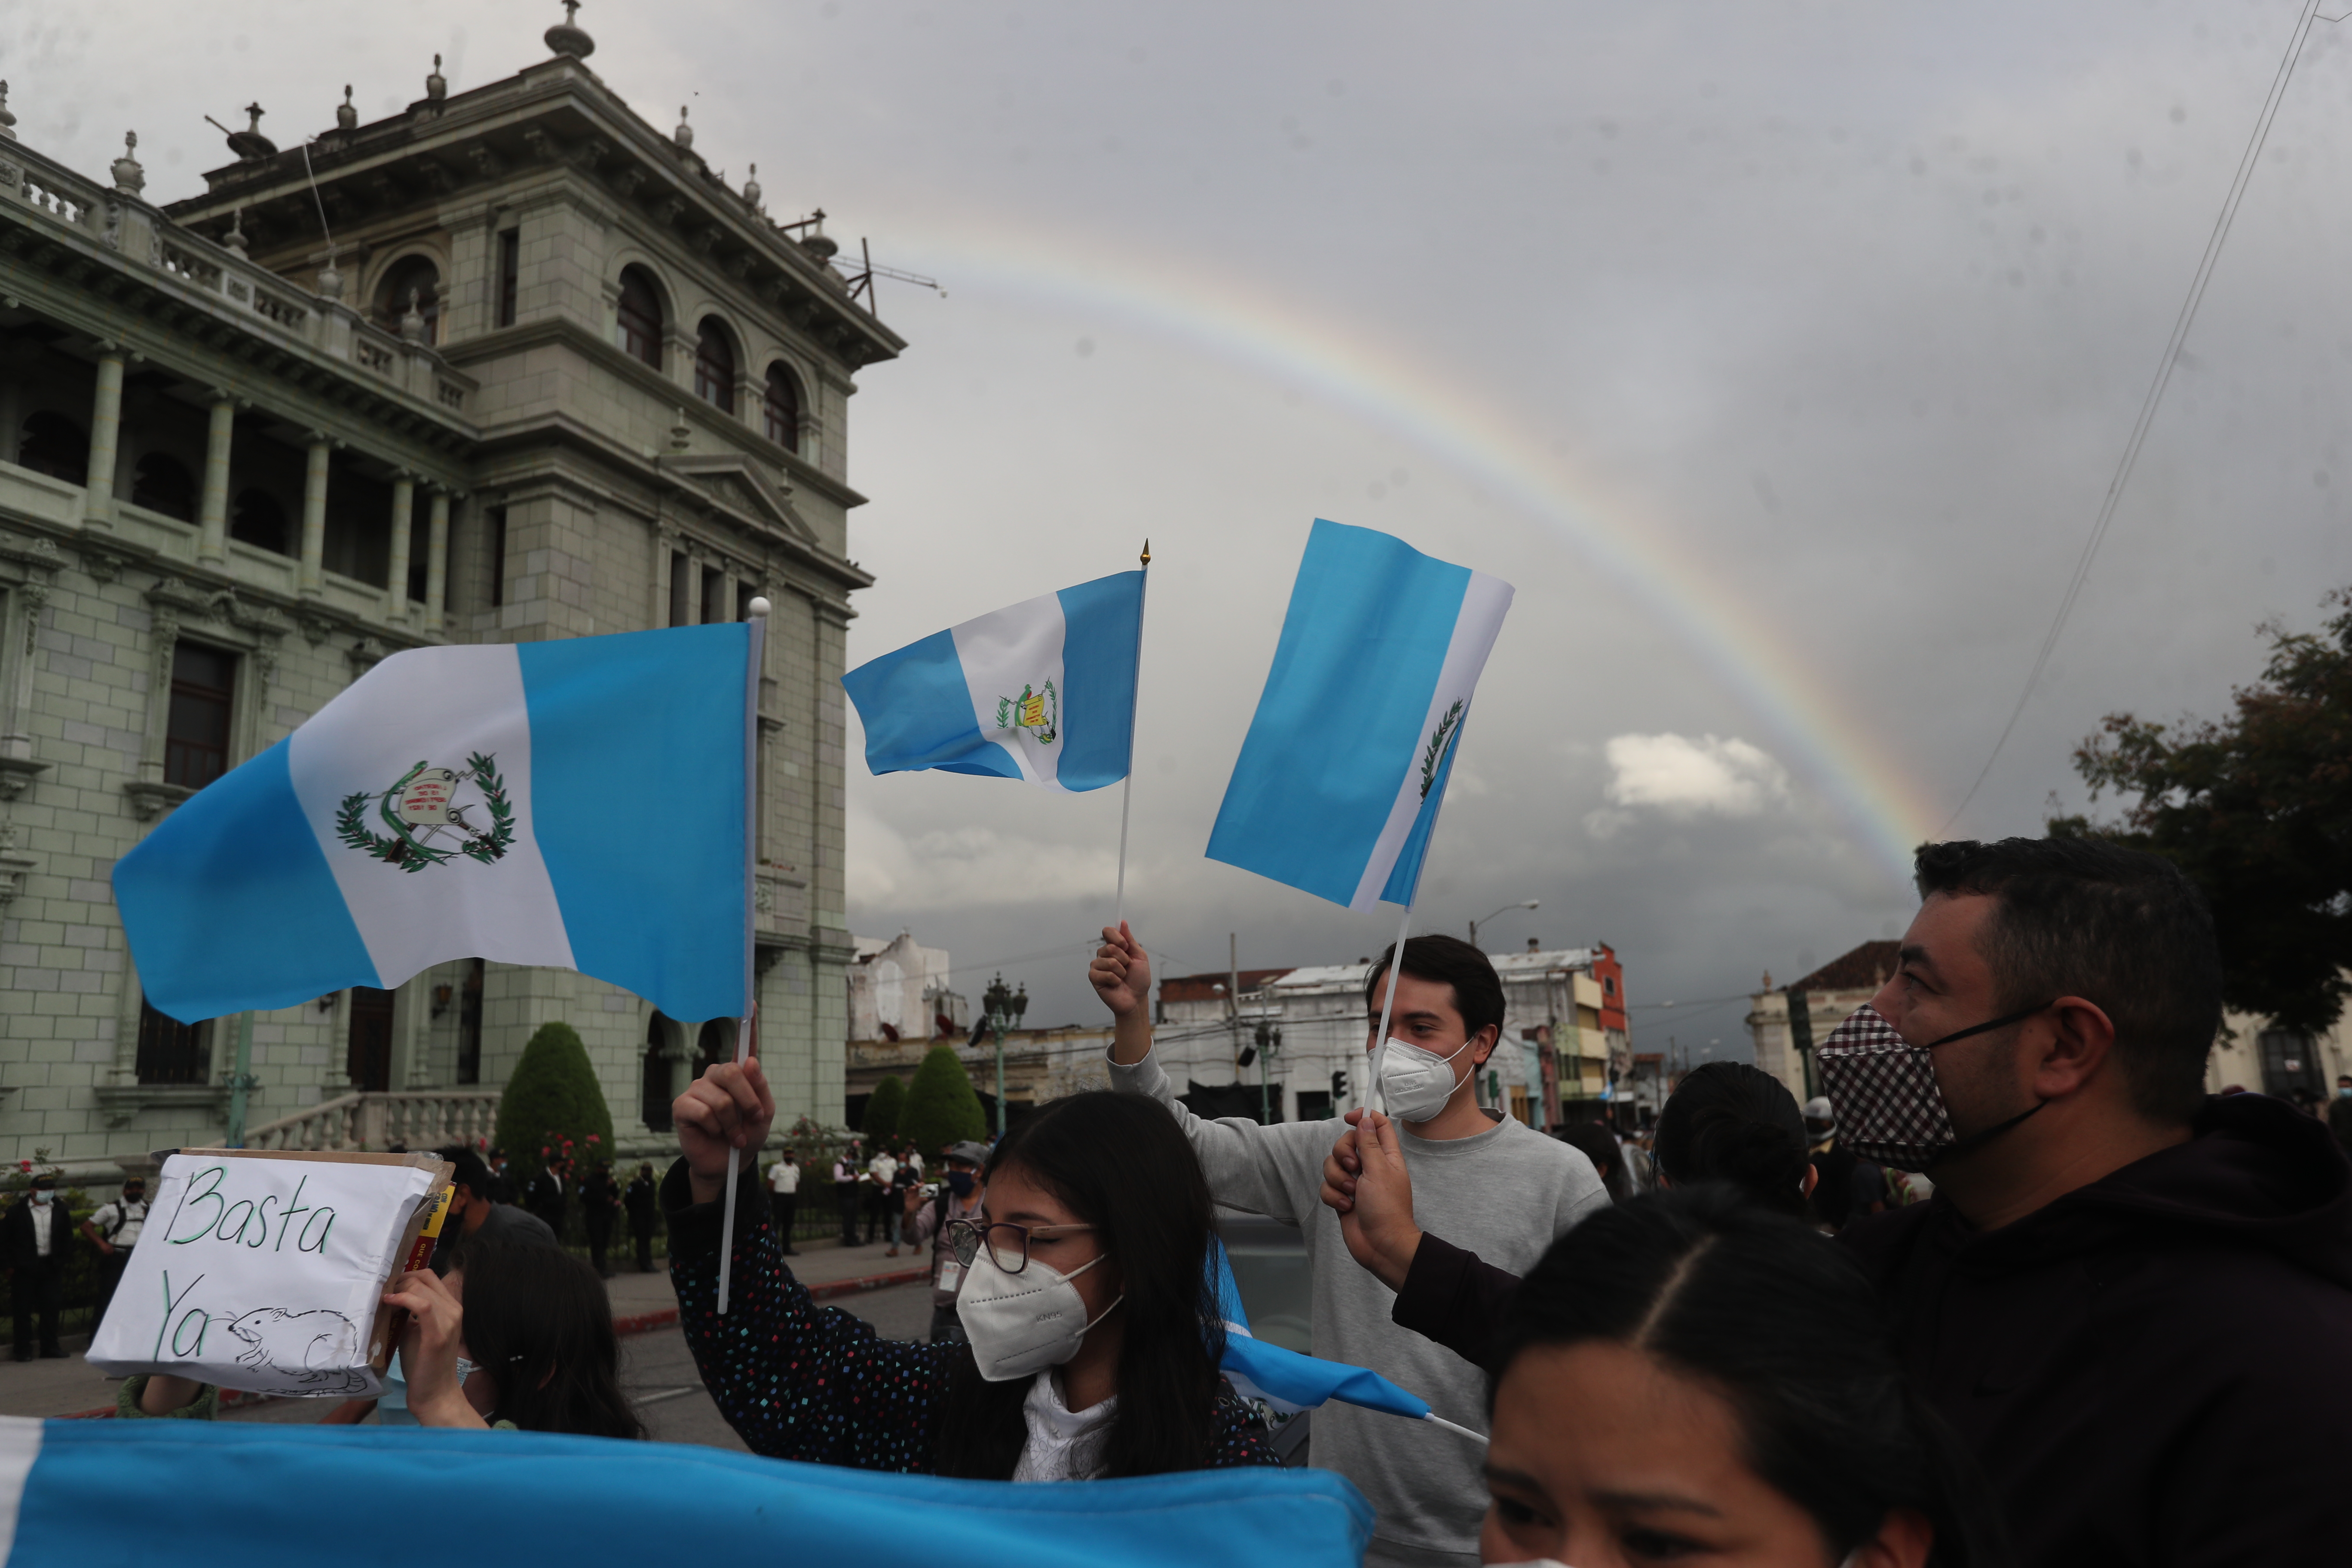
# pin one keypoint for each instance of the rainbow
(1224, 316)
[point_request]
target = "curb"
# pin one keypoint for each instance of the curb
(636, 1323)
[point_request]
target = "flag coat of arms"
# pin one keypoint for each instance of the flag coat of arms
(581, 804)
(1340, 780)
(1041, 690)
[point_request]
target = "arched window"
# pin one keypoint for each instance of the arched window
(655, 1092)
(714, 365)
(783, 408)
(161, 483)
(54, 445)
(414, 274)
(714, 1043)
(257, 520)
(641, 317)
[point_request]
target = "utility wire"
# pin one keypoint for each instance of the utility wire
(2149, 404)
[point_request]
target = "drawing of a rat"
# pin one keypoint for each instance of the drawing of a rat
(316, 1348)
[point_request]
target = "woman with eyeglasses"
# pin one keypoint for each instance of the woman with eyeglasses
(1082, 1287)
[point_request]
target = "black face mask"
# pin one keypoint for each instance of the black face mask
(960, 1183)
(1890, 1109)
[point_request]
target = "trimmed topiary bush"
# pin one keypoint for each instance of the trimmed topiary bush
(940, 1107)
(882, 1109)
(553, 1109)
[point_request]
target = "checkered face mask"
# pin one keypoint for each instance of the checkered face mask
(1889, 1109)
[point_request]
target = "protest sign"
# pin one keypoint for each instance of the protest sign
(264, 1270)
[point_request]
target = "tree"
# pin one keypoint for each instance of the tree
(940, 1107)
(2257, 809)
(882, 1111)
(554, 1108)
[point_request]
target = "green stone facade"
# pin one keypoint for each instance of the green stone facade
(229, 438)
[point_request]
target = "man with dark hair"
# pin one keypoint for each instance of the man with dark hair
(472, 1212)
(2133, 1301)
(36, 1238)
(1492, 1184)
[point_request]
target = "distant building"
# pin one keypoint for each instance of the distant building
(898, 990)
(1564, 1041)
(1787, 1022)
(1039, 1065)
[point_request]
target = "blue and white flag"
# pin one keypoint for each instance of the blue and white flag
(202, 1494)
(1041, 690)
(581, 804)
(1346, 762)
(1291, 1382)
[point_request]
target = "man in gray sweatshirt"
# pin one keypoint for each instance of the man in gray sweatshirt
(1511, 1188)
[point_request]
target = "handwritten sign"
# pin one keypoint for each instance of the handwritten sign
(265, 1271)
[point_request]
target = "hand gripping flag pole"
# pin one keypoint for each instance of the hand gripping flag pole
(750, 1018)
(1127, 789)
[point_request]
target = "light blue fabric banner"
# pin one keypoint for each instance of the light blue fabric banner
(1341, 775)
(100, 1494)
(580, 803)
(1041, 690)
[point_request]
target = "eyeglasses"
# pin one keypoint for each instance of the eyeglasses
(1007, 1243)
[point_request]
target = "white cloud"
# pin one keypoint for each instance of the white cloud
(897, 873)
(1685, 777)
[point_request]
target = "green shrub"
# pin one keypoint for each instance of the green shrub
(553, 1109)
(883, 1109)
(940, 1107)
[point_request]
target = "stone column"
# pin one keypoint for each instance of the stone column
(694, 569)
(211, 513)
(436, 561)
(314, 518)
(403, 523)
(105, 438)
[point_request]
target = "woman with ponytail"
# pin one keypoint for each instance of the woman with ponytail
(1726, 1122)
(1687, 1378)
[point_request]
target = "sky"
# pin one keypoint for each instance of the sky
(1779, 353)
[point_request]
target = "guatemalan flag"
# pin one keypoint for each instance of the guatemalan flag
(581, 804)
(1041, 690)
(1347, 758)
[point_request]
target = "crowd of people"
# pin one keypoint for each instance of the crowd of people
(2015, 1289)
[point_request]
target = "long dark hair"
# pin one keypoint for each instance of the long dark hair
(1729, 1122)
(1122, 1165)
(538, 1321)
(1782, 1322)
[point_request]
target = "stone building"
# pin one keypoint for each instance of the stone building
(898, 990)
(550, 376)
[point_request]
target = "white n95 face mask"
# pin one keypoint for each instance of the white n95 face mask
(1414, 1084)
(1020, 1324)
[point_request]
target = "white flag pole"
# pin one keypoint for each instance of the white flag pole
(759, 627)
(1388, 1003)
(1127, 785)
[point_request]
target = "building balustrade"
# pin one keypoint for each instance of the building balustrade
(416, 1118)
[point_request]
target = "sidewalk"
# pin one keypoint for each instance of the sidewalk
(641, 1302)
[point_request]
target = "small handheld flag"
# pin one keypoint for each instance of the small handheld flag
(581, 804)
(1041, 690)
(1347, 758)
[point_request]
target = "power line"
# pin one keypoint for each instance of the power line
(2149, 404)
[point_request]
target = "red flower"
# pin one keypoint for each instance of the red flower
(543, 1150)
(24, 1164)
(594, 1139)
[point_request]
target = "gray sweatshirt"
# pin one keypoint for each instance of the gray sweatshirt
(1505, 1194)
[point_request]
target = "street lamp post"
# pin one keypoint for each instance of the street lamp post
(1506, 909)
(1006, 1009)
(1269, 1046)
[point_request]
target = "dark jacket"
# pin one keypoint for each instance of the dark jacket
(16, 1242)
(798, 1380)
(639, 1200)
(2156, 1368)
(546, 1196)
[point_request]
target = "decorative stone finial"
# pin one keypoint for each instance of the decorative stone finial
(412, 321)
(346, 115)
(128, 177)
(250, 142)
(816, 242)
(751, 189)
(684, 134)
(7, 119)
(331, 282)
(565, 39)
(437, 87)
(235, 238)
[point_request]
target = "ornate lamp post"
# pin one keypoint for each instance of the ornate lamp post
(1006, 1009)
(1506, 909)
(1269, 1046)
